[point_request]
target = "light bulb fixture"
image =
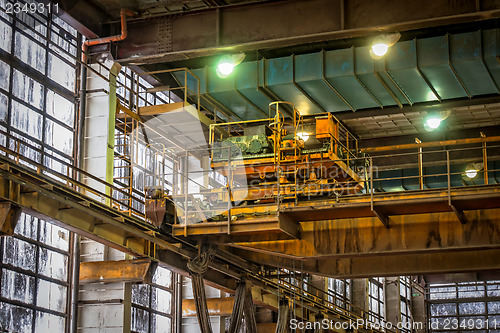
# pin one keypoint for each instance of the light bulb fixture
(227, 63)
(382, 43)
(433, 122)
(472, 169)
(380, 49)
(471, 173)
(303, 136)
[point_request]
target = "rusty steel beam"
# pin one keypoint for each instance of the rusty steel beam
(216, 307)
(367, 237)
(370, 150)
(389, 265)
(251, 27)
(137, 270)
(9, 215)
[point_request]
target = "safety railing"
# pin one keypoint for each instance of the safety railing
(30, 156)
(261, 180)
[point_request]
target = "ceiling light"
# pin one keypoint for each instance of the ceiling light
(472, 169)
(381, 44)
(380, 49)
(433, 122)
(225, 68)
(471, 173)
(227, 63)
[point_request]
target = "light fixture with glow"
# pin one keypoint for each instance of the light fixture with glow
(472, 169)
(434, 119)
(471, 173)
(380, 49)
(382, 43)
(227, 63)
(433, 122)
(303, 136)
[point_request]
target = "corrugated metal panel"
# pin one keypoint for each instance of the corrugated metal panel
(415, 71)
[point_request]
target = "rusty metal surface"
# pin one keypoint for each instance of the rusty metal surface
(273, 25)
(137, 270)
(419, 233)
(9, 215)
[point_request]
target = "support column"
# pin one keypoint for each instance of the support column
(418, 310)
(360, 297)
(392, 300)
(103, 307)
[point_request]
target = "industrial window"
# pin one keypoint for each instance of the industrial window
(464, 307)
(339, 291)
(376, 300)
(405, 303)
(35, 277)
(38, 74)
(152, 304)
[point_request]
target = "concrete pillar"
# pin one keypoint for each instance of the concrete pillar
(392, 298)
(360, 296)
(418, 309)
(106, 307)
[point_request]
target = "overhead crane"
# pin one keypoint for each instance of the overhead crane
(280, 214)
(272, 191)
(28, 186)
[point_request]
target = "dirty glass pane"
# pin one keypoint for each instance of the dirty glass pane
(64, 41)
(163, 277)
(30, 52)
(55, 165)
(5, 36)
(471, 291)
(2, 14)
(15, 318)
(67, 28)
(60, 108)
(445, 309)
(24, 149)
(28, 90)
(51, 296)
(161, 300)
(140, 321)
(471, 308)
(4, 75)
(27, 226)
(442, 293)
(3, 107)
(26, 120)
(46, 323)
(19, 253)
(61, 72)
(17, 286)
(58, 137)
(53, 264)
(33, 21)
(493, 288)
(140, 294)
(494, 308)
(161, 324)
(54, 236)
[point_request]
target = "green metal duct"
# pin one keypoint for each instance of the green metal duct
(414, 71)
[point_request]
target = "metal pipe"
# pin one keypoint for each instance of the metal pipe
(75, 283)
(485, 161)
(123, 35)
(420, 166)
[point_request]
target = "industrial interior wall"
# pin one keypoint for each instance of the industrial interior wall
(38, 84)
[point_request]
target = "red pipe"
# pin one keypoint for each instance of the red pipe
(123, 14)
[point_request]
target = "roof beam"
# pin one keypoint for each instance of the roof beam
(260, 26)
